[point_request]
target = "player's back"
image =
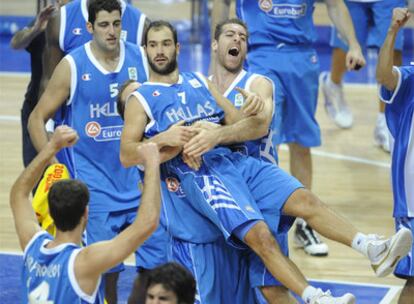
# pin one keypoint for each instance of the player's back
(74, 16)
(91, 111)
(278, 21)
(48, 274)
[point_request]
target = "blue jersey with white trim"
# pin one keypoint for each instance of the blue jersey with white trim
(91, 111)
(399, 115)
(278, 21)
(48, 274)
(263, 148)
(165, 105)
(74, 16)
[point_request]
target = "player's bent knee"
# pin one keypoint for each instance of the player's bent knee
(277, 294)
(260, 239)
(303, 203)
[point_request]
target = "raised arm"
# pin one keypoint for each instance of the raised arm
(52, 53)
(101, 256)
(54, 96)
(24, 216)
(247, 128)
(386, 76)
(21, 39)
(340, 17)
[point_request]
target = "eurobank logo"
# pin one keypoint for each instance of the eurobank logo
(286, 10)
(94, 130)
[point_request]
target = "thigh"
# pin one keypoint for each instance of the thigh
(382, 16)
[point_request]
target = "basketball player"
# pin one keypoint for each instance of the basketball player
(220, 188)
(397, 91)
(280, 47)
(371, 20)
(58, 270)
(86, 83)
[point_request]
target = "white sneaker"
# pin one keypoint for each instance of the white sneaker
(385, 254)
(381, 134)
(307, 239)
(327, 298)
(335, 105)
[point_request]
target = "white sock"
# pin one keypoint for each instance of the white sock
(333, 84)
(309, 293)
(359, 243)
(300, 221)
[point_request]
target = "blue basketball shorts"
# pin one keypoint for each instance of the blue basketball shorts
(295, 72)
(371, 22)
(405, 267)
(221, 271)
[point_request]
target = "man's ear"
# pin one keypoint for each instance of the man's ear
(214, 45)
(89, 27)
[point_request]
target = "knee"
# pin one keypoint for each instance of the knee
(303, 203)
(261, 240)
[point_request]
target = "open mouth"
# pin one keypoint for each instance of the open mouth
(234, 51)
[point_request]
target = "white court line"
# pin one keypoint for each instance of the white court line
(345, 157)
(10, 118)
(15, 74)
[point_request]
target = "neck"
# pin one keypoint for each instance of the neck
(73, 236)
(169, 78)
(223, 78)
(102, 55)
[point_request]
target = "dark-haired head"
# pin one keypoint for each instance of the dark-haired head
(174, 277)
(68, 200)
(219, 27)
(95, 6)
(156, 26)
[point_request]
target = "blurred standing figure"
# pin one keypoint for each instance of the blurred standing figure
(397, 92)
(32, 38)
(372, 19)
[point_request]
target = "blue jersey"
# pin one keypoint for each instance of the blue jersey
(49, 276)
(74, 16)
(165, 104)
(278, 21)
(399, 115)
(91, 111)
(263, 148)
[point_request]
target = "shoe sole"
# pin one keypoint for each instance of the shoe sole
(399, 249)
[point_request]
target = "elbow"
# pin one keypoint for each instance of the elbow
(125, 160)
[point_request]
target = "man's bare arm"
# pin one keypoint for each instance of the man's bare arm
(132, 135)
(54, 96)
(52, 53)
(340, 17)
(248, 128)
(99, 257)
(24, 216)
(385, 72)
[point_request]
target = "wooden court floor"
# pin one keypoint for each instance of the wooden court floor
(350, 174)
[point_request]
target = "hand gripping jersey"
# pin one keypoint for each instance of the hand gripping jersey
(74, 16)
(91, 111)
(263, 148)
(281, 21)
(49, 276)
(190, 100)
(399, 115)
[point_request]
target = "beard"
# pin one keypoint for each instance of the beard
(168, 69)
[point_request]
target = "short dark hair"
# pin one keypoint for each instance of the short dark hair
(68, 199)
(96, 6)
(120, 104)
(158, 24)
(219, 27)
(175, 278)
